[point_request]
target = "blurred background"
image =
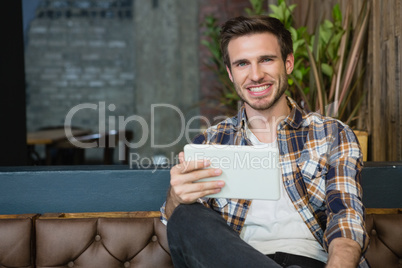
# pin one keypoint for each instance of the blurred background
(149, 67)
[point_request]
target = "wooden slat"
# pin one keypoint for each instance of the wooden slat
(378, 151)
(389, 21)
(385, 124)
(383, 210)
(131, 214)
(398, 70)
(19, 216)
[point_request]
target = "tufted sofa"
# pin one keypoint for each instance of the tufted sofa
(93, 240)
(384, 227)
(138, 239)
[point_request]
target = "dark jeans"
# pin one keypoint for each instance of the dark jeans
(200, 237)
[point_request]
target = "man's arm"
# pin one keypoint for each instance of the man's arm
(345, 236)
(183, 190)
(343, 253)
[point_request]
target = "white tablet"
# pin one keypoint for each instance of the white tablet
(249, 172)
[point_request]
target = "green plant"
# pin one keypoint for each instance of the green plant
(257, 8)
(333, 52)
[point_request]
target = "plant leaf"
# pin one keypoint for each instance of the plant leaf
(317, 80)
(292, 7)
(326, 69)
(335, 88)
(275, 9)
(336, 13)
(355, 49)
(301, 91)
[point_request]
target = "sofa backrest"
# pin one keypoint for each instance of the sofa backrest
(138, 239)
(16, 238)
(385, 231)
(101, 242)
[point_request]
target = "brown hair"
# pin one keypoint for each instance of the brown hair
(241, 26)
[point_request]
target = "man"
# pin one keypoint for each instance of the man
(319, 219)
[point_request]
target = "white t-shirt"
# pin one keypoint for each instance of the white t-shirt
(273, 226)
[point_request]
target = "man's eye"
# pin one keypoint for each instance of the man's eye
(266, 60)
(241, 64)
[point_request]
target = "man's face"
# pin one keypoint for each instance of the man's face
(257, 69)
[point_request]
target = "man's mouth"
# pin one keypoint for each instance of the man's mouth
(259, 90)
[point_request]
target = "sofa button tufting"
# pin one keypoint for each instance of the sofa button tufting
(373, 232)
(70, 264)
(127, 264)
(154, 238)
(97, 238)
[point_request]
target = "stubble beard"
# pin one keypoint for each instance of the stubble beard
(282, 86)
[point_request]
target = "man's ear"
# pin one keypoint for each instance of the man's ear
(289, 63)
(229, 73)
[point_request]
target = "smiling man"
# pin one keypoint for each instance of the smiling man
(319, 219)
(257, 69)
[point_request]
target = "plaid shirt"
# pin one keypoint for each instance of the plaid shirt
(321, 166)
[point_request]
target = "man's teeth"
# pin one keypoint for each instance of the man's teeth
(258, 89)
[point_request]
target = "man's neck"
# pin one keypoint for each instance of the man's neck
(263, 123)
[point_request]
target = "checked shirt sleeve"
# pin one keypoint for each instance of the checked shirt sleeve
(345, 214)
(163, 216)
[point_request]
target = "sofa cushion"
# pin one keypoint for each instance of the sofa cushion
(16, 241)
(101, 242)
(385, 248)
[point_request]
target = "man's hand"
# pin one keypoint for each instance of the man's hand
(344, 253)
(183, 190)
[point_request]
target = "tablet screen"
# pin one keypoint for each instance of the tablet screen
(249, 172)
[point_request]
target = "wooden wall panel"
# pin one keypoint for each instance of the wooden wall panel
(391, 111)
(377, 89)
(385, 94)
(398, 83)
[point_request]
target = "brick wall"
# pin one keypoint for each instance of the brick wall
(79, 51)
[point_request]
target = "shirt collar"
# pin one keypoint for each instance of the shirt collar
(294, 119)
(242, 116)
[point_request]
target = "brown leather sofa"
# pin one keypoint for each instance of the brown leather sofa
(138, 239)
(384, 227)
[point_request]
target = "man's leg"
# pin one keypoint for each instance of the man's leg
(200, 237)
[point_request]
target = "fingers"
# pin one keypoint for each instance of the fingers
(189, 198)
(188, 166)
(183, 176)
(190, 192)
(192, 171)
(201, 188)
(181, 157)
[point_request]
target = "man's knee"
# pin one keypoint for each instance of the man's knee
(182, 223)
(184, 216)
(182, 210)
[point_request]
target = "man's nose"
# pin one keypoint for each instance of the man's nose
(256, 73)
